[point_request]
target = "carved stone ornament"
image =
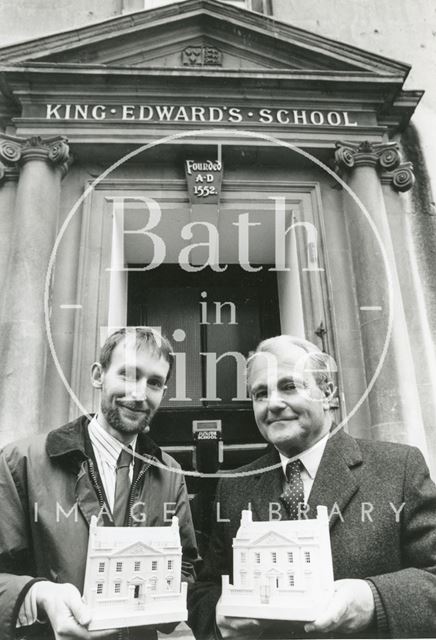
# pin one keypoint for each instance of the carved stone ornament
(15, 151)
(202, 56)
(403, 177)
(384, 156)
(10, 149)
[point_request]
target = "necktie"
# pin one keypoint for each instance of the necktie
(293, 495)
(122, 487)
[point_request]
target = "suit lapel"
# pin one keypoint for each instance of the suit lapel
(267, 486)
(335, 482)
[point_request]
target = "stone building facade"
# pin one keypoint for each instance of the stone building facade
(322, 223)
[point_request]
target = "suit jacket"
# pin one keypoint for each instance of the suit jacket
(382, 507)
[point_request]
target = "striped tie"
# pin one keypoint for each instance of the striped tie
(293, 495)
(122, 487)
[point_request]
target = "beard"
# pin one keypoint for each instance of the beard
(115, 420)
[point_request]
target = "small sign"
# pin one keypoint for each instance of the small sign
(204, 178)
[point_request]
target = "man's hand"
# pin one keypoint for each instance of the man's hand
(67, 613)
(350, 610)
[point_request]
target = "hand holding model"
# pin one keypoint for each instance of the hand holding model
(68, 615)
(350, 610)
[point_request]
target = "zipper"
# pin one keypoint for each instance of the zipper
(133, 491)
(95, 483)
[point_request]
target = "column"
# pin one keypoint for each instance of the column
(393, 401)
(23, 341)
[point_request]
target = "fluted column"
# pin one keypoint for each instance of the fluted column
(23, 340)
(393, 401)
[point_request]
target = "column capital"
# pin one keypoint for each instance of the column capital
(53, 150)
(385, 157)
(15, 150)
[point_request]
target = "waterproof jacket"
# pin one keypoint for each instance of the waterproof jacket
(49, 490)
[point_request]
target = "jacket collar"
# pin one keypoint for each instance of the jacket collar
(70, 441)
(334, 485)
(336, 481)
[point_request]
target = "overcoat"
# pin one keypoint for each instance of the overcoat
(382, 504)
(47, 498)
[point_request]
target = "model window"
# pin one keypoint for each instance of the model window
(274, 557)
(291, 580)
(154, 565)
(137, 566)
(170, 564)
(243, 557)
(290, 556)
(99, 588)
(257, 557)
(101, 567)
(307, 557)
(153, 584)
(117, 587)
(169, 583)
(119, 566)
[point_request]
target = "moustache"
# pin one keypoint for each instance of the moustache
(133, 405)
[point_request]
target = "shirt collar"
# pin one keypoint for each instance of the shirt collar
(108, 447)
(311, 458)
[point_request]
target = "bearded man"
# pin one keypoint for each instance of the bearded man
(51, 485)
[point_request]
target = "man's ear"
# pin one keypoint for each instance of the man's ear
(329, 394)
(97, 374)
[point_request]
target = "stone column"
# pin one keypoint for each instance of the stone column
(393, 401)
(23, 341)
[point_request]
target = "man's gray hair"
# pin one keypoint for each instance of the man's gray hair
(319, 364)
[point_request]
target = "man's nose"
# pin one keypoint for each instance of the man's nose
(275, 401)
(139, 390)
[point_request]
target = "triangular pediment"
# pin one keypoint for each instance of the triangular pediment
(199, 34)
(137, 549)
(274, 540)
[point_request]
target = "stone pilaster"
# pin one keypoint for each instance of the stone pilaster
(10, 153)
(393, 401)
(23, 343)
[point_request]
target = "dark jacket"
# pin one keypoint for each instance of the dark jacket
(48, 494)
(399, 558)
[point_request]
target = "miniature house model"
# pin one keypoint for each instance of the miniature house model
(133, 576)
(282, 570)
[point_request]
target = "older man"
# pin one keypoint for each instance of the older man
(381, 501)
(51, 486)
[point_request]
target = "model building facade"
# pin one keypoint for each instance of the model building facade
(133, 576)
(282, 570)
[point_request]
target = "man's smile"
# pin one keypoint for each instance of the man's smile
(134, 407)
(282, 419)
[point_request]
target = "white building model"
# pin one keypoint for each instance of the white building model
(282, 570)
(133, 576)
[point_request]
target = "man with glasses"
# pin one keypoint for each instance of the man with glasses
(104, 465)
(381, 502)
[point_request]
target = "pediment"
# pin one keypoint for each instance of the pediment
(274, 540)
(197, 34)
(137, 549)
